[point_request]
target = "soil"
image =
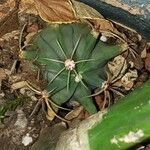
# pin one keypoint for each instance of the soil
(18, 123)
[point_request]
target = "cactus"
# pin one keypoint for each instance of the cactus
(73, 59)
(123, 126)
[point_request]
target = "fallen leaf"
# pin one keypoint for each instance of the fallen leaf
(74, 113)
(6, 7)
(29, 38)
(27, 7)
(18, 85)
(68, 11)
(117, 66)
(143, 53)
(83, 11)
(8, 16)
(128, 79)
(2, 74)
(55, 11)
(50, 114)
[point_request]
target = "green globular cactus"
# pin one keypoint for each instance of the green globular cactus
(72, 57)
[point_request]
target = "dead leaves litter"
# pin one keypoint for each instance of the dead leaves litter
(53, 11)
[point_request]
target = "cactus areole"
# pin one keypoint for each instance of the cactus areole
(73, 58)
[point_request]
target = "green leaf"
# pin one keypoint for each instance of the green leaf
(128, 116)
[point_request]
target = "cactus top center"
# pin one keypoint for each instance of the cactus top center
(70, 64)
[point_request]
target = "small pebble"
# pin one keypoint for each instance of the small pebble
(26, 140)
(103, 38)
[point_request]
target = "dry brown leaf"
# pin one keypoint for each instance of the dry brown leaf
(27, 6)
(74, 113)
(18, 85)
(6, 7)
(84, 11)
(2, 74)
(117, 66)
(50, 114)
(67, 11)
(55, 11)
(128, 79)
(8, 16)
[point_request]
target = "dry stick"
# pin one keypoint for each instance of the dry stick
(40, 93)
(114, 34)
(133, 52)
(58, 105)
(33, 89)
(105, 100)
(109, 98)
(109, 79)
(116, 91)
(50, 108)
(118, 77)
(36, 106)
(21, 34)
(95, 94)
(13, 67)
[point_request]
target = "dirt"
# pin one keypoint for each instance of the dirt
(18, 122)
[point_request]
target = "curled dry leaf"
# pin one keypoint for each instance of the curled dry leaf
(74, 113)
(117, 66)
(55, 11)
(11, 35)
(128, 79)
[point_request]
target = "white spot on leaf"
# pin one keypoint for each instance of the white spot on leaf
(131, 137)
(114, 141)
